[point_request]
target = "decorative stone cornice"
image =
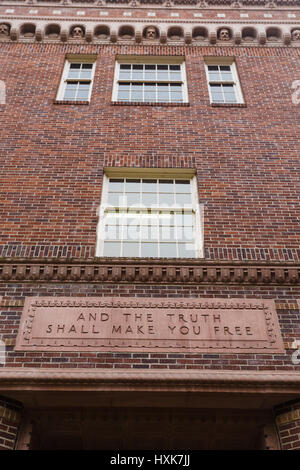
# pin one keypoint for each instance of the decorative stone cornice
(50, 30)
(167, 3)
(104, 379)
(145, 271)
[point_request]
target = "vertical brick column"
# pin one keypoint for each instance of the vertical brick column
(10, 419)
(288, 425)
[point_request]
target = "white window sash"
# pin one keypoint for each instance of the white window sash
(195, 209)
(182, 81)
(235, 81)
(65, 80)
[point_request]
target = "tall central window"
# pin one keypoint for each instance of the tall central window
(147, 81)
(149, 216)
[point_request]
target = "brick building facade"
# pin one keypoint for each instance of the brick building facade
(135, 327)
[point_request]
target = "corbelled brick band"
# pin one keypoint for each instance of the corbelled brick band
(10, 418)
(288, 425)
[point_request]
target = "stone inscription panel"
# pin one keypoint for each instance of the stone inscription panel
(170, 325)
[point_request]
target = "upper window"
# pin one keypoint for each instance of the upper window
(223, 82)
(77, 79)
(147, 214)
(148, 80)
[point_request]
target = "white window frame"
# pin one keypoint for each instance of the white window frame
(76, 59)
(151, 173)
(156, 60)
(235, 79)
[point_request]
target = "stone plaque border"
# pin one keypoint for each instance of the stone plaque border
(272, 342)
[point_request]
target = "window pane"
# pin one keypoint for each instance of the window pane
(82, 95)
(226, 76)
(166, 199)
(230, 98)
(168, 250)
(186, 250)
(124, 90)
(166, 219)
(125, 72)
(137, 72)
(130, 249)
(131, 232)
(166, 186)
(69, 95)
(228, 88)
(217, 98)
(115, 199)
(83, 91)
(150, 92)
(145, 232)
(162, 72)
(116, 185)
(133, 199)
(123, 96)
(112, 232)
(149, 250)
(149, 185)
(112, 249)
(149, 199)
(175, 75)
(216, 88)
(166, 233)
(188, 219)
(132, 185)
(86, 71)
(187, 233)
(184, 199)
(150, 72)
(74, 71)
(137, 92)
(163, 92)
(182, 186)
(176, 96)
(213, 75)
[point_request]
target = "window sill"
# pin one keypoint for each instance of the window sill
(71, 102)
(149, 103)
(228, 105)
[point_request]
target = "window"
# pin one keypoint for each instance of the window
(149, 214)
(77, 79)
(223, 82)
(146, 80)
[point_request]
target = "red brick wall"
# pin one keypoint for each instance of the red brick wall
(10, 417)
(288, 425)
(53, 155)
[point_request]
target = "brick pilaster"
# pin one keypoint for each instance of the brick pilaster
(288, 425)
(10, 419)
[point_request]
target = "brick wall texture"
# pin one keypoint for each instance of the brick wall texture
(10, 417)
(247, 163)
(288, 425)
(52, 156)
